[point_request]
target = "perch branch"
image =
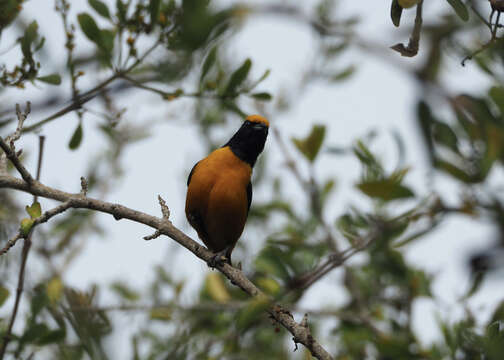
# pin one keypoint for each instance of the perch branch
(165, 227)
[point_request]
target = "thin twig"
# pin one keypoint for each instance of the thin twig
(8, 147)
(414, 41)
(333, 261)
(310, 187)
(8, 334)
(39, 161)
(92, 93)
(27, 239)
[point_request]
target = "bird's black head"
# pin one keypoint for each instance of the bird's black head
(248, 142)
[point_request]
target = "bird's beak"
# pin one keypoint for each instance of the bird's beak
(261, 127)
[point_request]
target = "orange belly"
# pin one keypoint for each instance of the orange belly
(217, 199)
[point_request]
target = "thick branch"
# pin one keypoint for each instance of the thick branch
(300, 333)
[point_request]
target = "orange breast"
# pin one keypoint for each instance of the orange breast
(217, 194)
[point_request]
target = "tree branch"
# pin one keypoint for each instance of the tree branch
(165, 227)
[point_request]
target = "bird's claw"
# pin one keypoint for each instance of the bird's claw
(219, 259)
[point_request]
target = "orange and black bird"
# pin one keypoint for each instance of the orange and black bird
(219, 191)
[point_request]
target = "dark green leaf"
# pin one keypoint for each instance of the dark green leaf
(344, 74)
(208, 63)
(460, 9)
(455, 171)
(154, 11)
(396, 12)
(385, 190)
(38, 301)
(4, 295)
(444, 135)
(425, 119)
(497, 95)
(498, 314)
(28, 38)
(477, 281)
(107, 41)
(264, 96)
(51, 336)
(122, 11)
(100, 7)
(124, 291)
(76, 139)
(237, 78)
(231, 106)
(34, 332)
(53, 79)
(310, 146)
(90, 29)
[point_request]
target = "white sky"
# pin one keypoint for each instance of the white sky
(380, 96)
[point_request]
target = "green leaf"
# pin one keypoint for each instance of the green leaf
(425, 119)
(122, 10)
(26, 226)
(100, 7)
(76, 139)
(161, 313)
(263, 96)
(477, 281)
(497, 95)
(28, 38)
(38, 301)
(216, 288)
(456, 171)
(34, 210)
(269, 285)
(251, 313)
(396, 12)
(107, 41)
(208, 63)
(54, 289)
(460, 9)
(310, 145)
(154, 11)
(237, 78)
(34, 332)
(4, 295)
(270, 261)
(90, 29)
(124, 291)
(53, 79)
(444, 135)
(52, 336)
(385, 190)
(344, 74)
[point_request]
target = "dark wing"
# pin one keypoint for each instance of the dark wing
(249, 195)
(198, 224)
(191, 173)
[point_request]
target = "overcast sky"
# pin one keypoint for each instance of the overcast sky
(381, 96)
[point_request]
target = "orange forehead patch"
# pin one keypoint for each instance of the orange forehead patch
(258, 119)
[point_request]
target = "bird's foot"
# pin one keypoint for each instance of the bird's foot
(219, 259)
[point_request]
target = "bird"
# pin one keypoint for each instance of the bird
(219, 189)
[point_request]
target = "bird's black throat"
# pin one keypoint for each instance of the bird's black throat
(248, 142)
